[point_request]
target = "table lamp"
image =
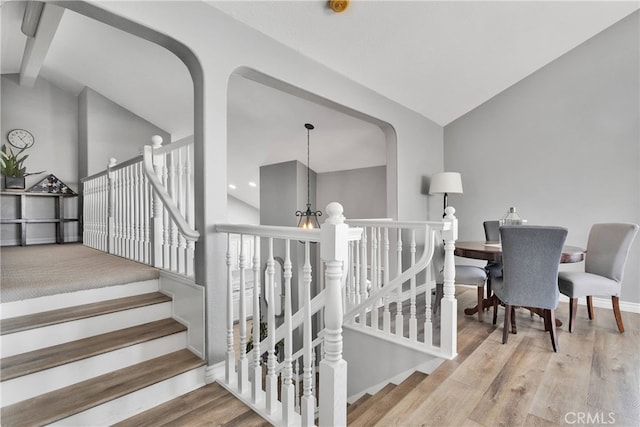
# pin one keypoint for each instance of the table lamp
(445, 182)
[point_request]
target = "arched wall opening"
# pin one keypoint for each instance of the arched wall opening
(380, 134)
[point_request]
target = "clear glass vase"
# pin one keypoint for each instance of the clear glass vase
(512, 218)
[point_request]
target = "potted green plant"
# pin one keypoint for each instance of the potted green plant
(12, 167)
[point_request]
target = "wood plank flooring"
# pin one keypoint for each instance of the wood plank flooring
(521, 383)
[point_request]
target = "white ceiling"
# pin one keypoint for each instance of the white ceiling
(439, 58)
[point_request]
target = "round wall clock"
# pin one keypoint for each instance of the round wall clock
(20, 138)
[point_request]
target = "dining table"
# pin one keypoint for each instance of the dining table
(492, 251)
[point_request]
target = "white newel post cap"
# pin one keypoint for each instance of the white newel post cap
(156, 141)
(452, 233)
(112, 162)
(333, 234)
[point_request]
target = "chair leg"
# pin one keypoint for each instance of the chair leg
(480, 302)
(616, 312)
(550, 315)
(573, 310)
(590, 307)
(495, 308)
(514, 330)
(507, 320)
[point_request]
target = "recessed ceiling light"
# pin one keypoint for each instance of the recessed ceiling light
(231, 186)
(252, 184)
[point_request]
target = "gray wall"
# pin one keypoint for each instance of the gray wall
(109, 130)
(362, 192)
(51, 115)
(562, 145)
(241, 213)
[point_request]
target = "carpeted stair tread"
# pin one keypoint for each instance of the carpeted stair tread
(211, 402)
(391, 399)
(38, 320)
(370, 403)
(59, 404)
(50, 357)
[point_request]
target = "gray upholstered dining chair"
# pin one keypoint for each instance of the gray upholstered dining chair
(465, 275)
(607, 250)
(530, 261)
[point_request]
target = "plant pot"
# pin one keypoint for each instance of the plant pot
(14, 182)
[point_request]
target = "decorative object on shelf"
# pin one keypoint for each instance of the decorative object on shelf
(446, 182)
(512, 218)
(338, 6)
(11, 162)
(51, 184)
(308, 218)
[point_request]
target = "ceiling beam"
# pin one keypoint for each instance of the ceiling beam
(37, 47)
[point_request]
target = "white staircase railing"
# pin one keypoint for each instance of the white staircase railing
(309, 333)
(143, 209)
(385, 276)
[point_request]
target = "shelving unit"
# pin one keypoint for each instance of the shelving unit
(24, 217)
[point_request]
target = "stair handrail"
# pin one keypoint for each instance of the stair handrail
(420, 265)
(187, 231)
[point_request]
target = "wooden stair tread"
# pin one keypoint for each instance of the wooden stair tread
(45, 358)
(391, 399)
(37, 320)
(208, 405)
(360, 401)
(370, 403)
(59, 404)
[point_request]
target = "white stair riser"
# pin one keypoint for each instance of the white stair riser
(136, 402)
(48, 380)
(54, 302)
(33, 339)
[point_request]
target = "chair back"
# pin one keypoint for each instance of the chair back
(530, 258)
(491, 231)
(608, 248)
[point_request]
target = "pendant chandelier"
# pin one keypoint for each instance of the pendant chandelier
(308, 219)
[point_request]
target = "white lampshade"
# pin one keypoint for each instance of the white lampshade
(445, 182)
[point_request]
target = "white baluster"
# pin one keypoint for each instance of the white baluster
(413, 321)
(171, 189)
(356, 267)
(256, 386)
(230, 361)
(111, 195)
(384, 269)
(190, 213)
(271, 382)
(308, 400)
(288, 393)
(243, 365)
(363, 279)
(428, 327)
(399, 317)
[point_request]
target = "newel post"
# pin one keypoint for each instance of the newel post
(111, 205)
(449, 305)
(333, 368)
(157, 217)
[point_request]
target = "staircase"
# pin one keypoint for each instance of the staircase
(95, 363)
